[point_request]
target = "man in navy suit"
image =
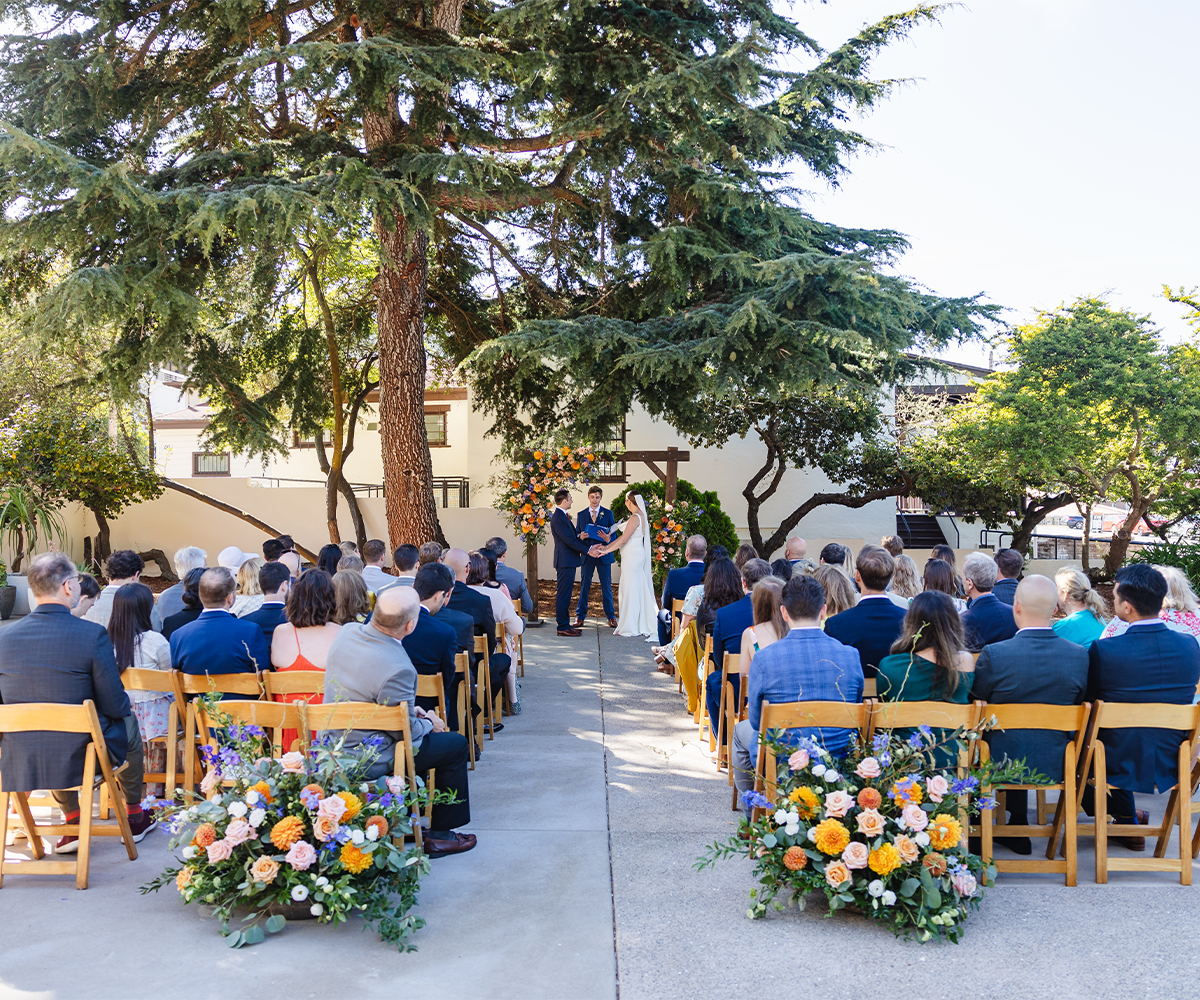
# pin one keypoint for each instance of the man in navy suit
(728, 625)
(805, 665)
(1148, 663)
(568, 557)
(987, 618)
(275, 581)
(679, 581)
(217, 642)
(872, 625)
(1036, 666)
(432, 644)
(1009, 564)
(475, 604)
(601, 517)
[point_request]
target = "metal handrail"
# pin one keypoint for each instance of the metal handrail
(442, 487)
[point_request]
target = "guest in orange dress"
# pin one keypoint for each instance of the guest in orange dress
(302, 643)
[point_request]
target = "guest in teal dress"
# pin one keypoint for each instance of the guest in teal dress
(928, 662)
(1084, 607)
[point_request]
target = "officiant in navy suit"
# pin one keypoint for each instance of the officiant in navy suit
(596, 516)
(568, 557)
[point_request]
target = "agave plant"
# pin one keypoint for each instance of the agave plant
(24, 522)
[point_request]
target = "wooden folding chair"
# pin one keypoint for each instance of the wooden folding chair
(432, 686)
(55, 718)
(272, 716)
(488, 701)
(1053, 718)
(293, 686)
(1114, 715)
(462, 667)
(913, 714)
(802, 715)
(676, 615)
(521, 655)
(136, 679)
(728, 707)
(700, 716)
(870, 688)
(345, 715)
(187, 687)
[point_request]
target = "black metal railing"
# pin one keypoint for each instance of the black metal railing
(448, 491)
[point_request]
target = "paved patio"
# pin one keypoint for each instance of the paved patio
(591, 808)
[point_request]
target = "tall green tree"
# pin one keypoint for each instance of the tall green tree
(611, 172)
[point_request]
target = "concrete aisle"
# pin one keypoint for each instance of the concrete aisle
(527, 914)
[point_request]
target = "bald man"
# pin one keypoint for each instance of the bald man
(796, 549)
(369, 663)
(1035, 666)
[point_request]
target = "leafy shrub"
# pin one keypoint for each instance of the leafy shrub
(1182, 554)
(706, 518)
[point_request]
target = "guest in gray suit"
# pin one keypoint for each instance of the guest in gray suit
(368, 663)
(1036, 666)
(170, 601)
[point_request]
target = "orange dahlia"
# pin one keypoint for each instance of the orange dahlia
(830, 836)
(379, 823)
(353, 860)
(794, 859)
(316, 790)
(286, 832)
(206, 834)
(944, 831)
(353, 805)
(806, 801)
(884, 860)
(936, 863)
(264, 790)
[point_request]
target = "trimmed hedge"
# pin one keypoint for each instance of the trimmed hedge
(714, 524)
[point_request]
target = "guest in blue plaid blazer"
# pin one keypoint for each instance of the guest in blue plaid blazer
(805, 665)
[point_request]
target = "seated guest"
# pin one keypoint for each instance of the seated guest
(840, 594)
(768, 627)
(349, 548)
(289, 557)
(946, 555)
(1009, 564)
(833, 554)
(939, 577)
(906, 581)
(1083, 606)
(745, 552)
(874, 623)
(464, 599)
(1037, 667)
(1149, 663)
(52, 656)
(432, 644)
(350, 563)
(191, 603)
(679, 581)
(480, 579)
(429, 552)
(805, 665)
(406, 560)
(895, 547)
(729, 624)
(328, 557)
(89, 590)
(782, 569)
(217, 642)
(928, 661)
(272, 549)
(372, 571)
(249, 596)
(352, 600)
(1178, 610)
(987, 619)
(122, 567)
(724, 586)
(137, 645)
(510, 576)
(795, 549)
(303, 641)
(275, 581)
(233, 558)
(170, 601)
(369, 663)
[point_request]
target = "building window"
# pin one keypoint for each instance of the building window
(435, 426)
(207, 463)
(612, 471)
(299, 442)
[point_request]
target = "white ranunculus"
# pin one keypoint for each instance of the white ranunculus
(875, 888)
(321, 882)
(812, 834)
(299, 893)
(372, 833)
(889, 898)
(781, 817)
(922, 839)
(238, 809)
(252, 797)
(357, 836)
(189, 852)
(818, 769)
(791, 830)
(256, 817)
(316, 909)
(832, 776)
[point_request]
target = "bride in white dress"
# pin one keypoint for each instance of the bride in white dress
(638, 612)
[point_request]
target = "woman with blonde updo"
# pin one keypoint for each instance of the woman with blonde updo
(1082, 604)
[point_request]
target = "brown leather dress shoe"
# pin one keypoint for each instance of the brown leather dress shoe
(1131, 843)
(569, 631)
(577, 623)
(458, 843)
(612, 623)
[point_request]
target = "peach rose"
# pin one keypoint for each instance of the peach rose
(856, 855)
(301, 856)
(219, 851)
(838, 803)
(871, 822)
(937, 786)
(209, 782)
(837, 874)
(798, 761)
(915, 818)
(292, 763)
(324, 828)
(184, 878)
(909, 851)
(333, 807)
(238, 832)
(868, 767)
(264, 869)
(870, 798)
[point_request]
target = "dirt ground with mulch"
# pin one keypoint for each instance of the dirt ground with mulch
(546, 593)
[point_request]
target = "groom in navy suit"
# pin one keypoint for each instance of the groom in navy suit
(601, 517)
(568, 557)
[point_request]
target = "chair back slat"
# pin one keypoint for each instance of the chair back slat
(911, 714)
(294, 682)
(270, 715)
(811, 714)
(1148, 715)
(355, 715)
(239, 683)
(141, 679)
(48, 717)
(1056, 718)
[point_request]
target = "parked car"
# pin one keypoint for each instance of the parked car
(1075, 522)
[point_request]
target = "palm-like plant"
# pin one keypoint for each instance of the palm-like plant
(24, 521)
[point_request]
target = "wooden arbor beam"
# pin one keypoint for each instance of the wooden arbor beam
(672, 457)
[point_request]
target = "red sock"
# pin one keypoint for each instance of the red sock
(133, 808)
(72, 817)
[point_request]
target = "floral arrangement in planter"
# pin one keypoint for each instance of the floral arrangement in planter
(525, 494)
(306, 830)
(881, 830)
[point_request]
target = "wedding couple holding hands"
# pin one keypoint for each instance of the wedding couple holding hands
(577, 544)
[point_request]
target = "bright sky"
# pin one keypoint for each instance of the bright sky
(1047, 149)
